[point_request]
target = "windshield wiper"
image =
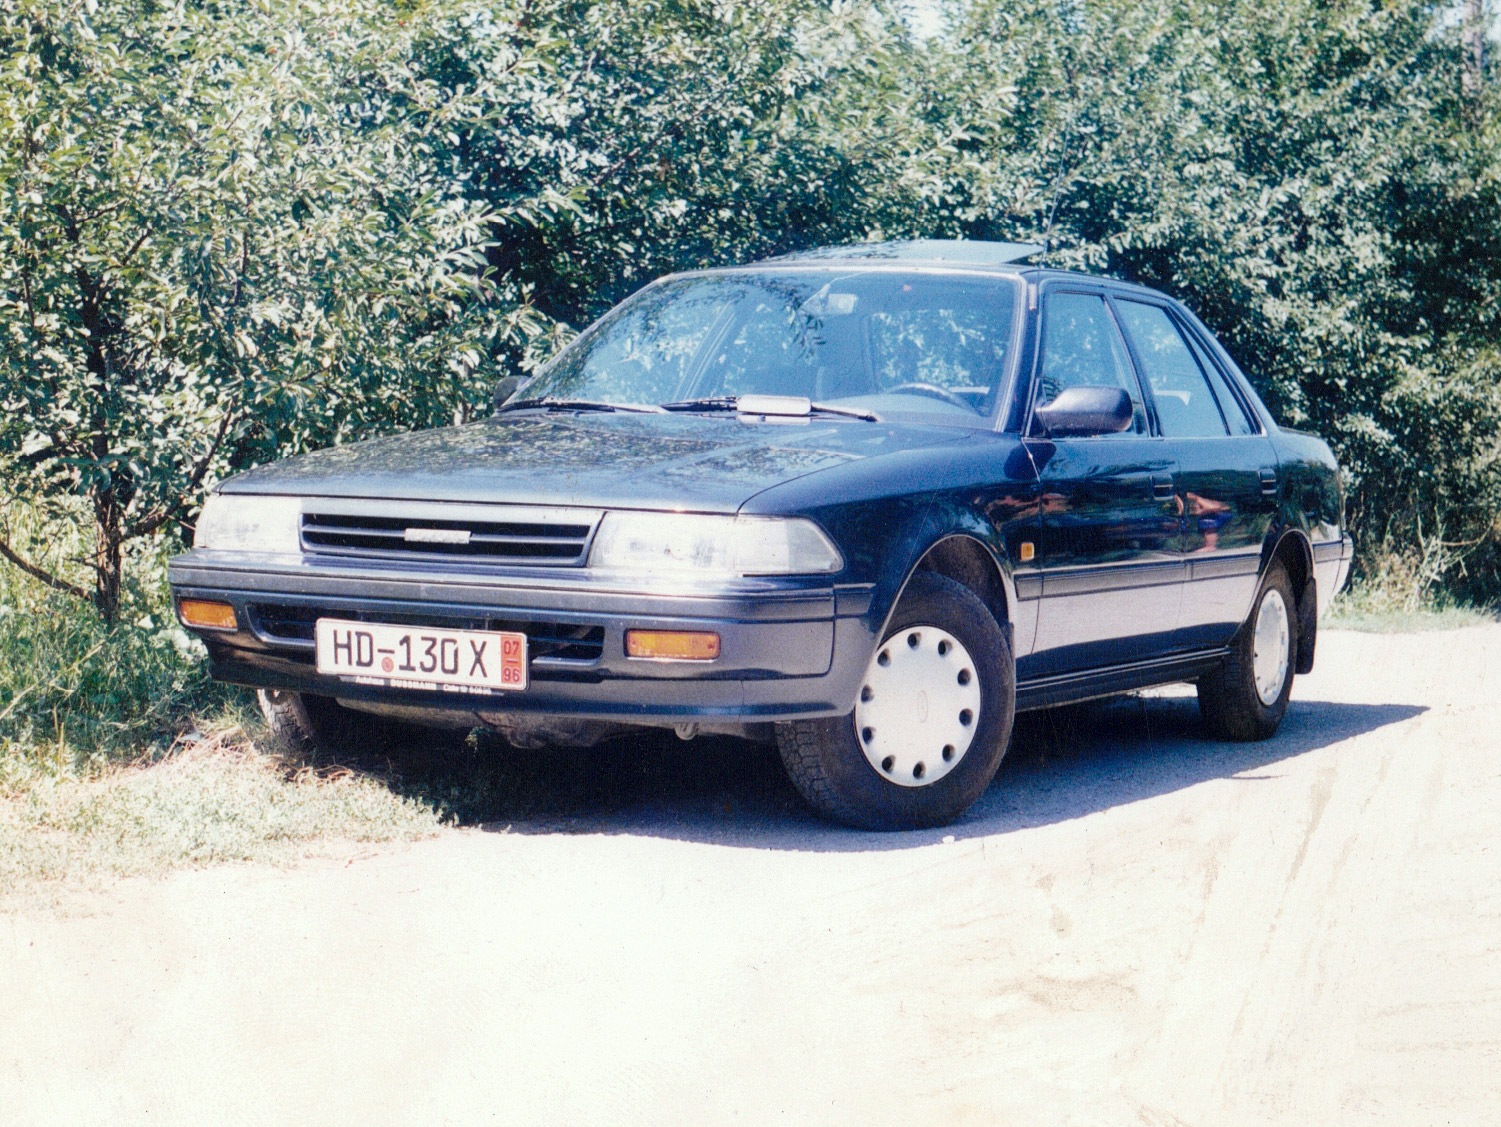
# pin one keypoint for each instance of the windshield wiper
(781, 405)
(850, 412)
(709, 403)
(548, 402)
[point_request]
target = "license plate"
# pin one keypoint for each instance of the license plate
(422, 657)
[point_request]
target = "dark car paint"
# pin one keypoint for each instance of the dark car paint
(1101, 608)
(697, 463)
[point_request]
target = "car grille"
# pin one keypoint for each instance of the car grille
(510, 542)
(563, 641)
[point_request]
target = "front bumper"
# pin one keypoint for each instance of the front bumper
(789, 649)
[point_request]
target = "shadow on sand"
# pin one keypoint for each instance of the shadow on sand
(1063, 764)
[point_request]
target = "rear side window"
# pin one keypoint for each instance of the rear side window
(1081, 347)
(1186, 407)
(1230, 405)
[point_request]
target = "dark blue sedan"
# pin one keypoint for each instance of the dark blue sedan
(866, 502)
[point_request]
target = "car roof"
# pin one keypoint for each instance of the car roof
(954, 252)
(967, 255)
(929, 256)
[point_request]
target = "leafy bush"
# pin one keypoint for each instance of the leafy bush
(76, 692)
(224, 235)
(1306, 176)
(619, 140)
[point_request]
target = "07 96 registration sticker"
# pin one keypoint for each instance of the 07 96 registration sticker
(422, 657)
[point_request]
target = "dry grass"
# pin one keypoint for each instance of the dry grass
(118, 756)
(1407, 584)
(1355, 613)
(212, 798)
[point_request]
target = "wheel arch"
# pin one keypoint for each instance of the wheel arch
(967, 559)
(1294, 551)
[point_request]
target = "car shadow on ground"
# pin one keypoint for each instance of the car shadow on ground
(1063, 764)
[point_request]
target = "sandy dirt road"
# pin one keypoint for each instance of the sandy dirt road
(1136, 926)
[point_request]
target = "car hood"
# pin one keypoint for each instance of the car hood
(704, 463)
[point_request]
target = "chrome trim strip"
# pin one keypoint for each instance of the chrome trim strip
(1111, 577)
(1329, 551)
(1225, 565)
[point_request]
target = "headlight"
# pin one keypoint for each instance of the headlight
(685, 542)
(246, 523)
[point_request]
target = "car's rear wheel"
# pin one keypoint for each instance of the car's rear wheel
(1246, 698)
(930, 723)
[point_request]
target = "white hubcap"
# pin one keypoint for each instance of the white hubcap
(918, 707)
(1269, 647)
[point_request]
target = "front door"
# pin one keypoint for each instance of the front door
(1109, 555)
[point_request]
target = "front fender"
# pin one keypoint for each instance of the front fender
(984, 489)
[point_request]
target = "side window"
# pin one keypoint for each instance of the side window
(1186, 408)
(1230, 406)
(1081, 347)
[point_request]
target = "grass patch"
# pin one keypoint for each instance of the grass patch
(1408, 621)
(1401, 590)
(1376, 607)
(215, 798)
(118, 756)
(79, 693)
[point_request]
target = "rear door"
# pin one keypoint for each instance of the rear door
(1226, 481)
(1109, 555)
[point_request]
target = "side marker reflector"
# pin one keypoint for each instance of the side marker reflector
(672, 645)
(207, 615)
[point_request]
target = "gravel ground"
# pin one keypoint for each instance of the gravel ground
(1135, 926)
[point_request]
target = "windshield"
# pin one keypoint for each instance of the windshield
(929, 348)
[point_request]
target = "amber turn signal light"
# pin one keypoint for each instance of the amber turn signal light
(672, 645)
(207, 615)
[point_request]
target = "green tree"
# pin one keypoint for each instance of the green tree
(1318, 180)
(617, 140)
(232, 230)
(223, 234)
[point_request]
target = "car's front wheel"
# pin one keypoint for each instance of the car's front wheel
(1246, 698)
(929, 725)
(319, 726)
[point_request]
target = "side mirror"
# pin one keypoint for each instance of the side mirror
(505, 387)
(1082, 411)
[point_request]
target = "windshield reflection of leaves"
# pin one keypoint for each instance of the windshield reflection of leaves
(783, 334)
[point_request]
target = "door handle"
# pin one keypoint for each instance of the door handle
(1162, 486)
(1268, 481)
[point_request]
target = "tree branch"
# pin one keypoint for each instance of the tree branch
(43, 575)
(140, 242)
(149, 524)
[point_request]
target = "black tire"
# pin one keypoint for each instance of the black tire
(320, 727)
(825, 759)
(1229, 702)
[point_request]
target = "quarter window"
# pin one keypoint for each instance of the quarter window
(1081, 347)
(1186, 407)
(1230, 405)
